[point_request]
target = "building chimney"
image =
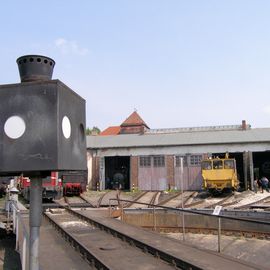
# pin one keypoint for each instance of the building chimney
(35, 68)
(244, 125)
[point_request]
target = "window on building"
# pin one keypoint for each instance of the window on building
(195, 160)
(145, 161)
(178, 161)
(159, 161)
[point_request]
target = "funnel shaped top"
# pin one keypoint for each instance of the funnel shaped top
(35, 68)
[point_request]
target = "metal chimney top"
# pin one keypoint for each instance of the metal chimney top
(35, 68)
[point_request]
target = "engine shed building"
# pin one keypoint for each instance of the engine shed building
(149, 159)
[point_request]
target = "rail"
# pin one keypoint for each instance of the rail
(215, 214)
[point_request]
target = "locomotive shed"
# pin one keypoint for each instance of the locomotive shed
(136, 156)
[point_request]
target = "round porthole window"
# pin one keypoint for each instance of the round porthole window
(66, 127)
(14, 127)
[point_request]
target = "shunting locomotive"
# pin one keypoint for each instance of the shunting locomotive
(219, 174)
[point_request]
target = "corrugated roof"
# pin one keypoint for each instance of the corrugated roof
(182, 138)
(193, 129)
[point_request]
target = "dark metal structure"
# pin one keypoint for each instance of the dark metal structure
(42, 122)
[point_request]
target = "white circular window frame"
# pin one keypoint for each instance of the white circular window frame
(66, 127)
(14, 127)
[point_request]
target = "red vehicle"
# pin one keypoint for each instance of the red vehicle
(52, 187)
(74, 182)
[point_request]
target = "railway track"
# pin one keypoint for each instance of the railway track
(210, 202)
(166, 201)
(145, 197)
(104, 199)
(77, 201)
(248, 205)
(196, 203)
(187, 198)
(176, 200)
(128, 205)
(190, 200)
(230, 201)
(105, 248)
(222, 202)
(155, 198)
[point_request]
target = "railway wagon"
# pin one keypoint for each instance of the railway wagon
(51, 187)
(219, 174)
(74, 182)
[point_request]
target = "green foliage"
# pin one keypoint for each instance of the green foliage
(172, 190)
(92, 131)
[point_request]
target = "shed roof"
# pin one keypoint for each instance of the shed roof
(258, 135)
(114, 130)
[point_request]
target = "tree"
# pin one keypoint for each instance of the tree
(92, 131)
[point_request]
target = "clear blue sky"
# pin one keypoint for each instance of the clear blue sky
(179, 63)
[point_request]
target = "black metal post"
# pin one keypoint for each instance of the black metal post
(35, 222)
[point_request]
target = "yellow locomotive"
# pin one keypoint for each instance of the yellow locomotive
(219, 174)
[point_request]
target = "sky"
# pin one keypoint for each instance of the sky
(178, 63)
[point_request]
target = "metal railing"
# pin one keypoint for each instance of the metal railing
(183, 211)
(14, 216)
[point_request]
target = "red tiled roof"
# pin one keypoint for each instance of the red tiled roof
(134, 120)
(110, 131)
